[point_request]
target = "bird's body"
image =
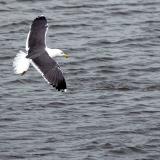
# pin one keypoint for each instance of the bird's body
(40, 56)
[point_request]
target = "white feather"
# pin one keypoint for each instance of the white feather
(54, 52)
(27, 48)
(21, 63)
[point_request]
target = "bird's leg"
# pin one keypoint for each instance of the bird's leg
(23, 73)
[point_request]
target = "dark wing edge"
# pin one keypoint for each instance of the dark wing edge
(50, 70)
(55, 78)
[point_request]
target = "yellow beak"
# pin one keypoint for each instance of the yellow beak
(66, 55)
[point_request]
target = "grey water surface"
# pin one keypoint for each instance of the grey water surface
(112, 108)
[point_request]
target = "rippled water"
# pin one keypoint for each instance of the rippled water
(111, 110)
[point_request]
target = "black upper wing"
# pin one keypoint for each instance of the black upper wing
(50, 70)
(37, 33)
(36, 45)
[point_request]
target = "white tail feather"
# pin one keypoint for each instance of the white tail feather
(21, 63)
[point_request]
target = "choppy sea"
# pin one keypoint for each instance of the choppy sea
(112, 108)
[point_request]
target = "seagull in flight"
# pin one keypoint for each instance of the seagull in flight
(40, 56)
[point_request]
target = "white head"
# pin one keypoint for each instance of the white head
(56, 53)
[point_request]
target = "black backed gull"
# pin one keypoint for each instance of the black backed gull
(40, 56)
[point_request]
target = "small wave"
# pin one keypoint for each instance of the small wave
(98, 43)
(3, 2)
(127, 150)
(149, 22)
(15, 24)
(106, 71)
(59, 26)
(22, 81)
(56, 104)
(127, 13)
(147, 69)
(98, 59)
(27, 0)
(152, 88)
(4, 10)
(85, 6)
(12, 156)
(134, 4)
(93, 145)
(5, 57)
(119, 87)
(129, 40)
(8, 119)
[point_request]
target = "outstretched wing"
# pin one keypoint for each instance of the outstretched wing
(35, 45)
(37, 34)
(50, 71)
